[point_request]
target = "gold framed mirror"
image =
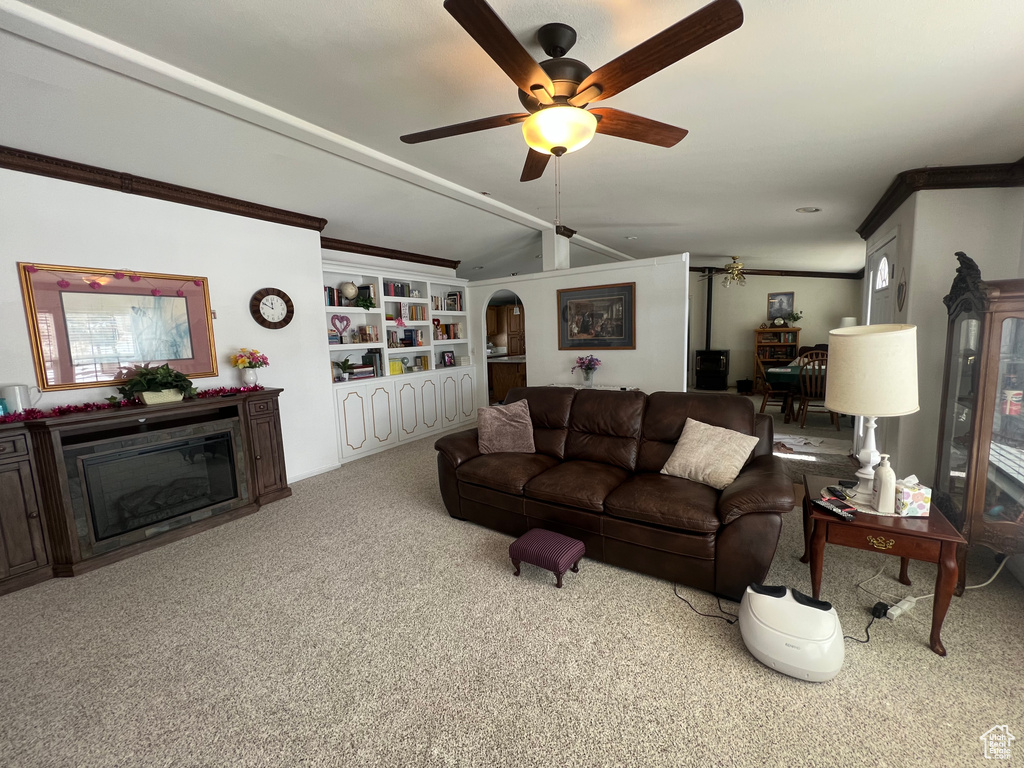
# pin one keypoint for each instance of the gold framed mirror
(87, 325)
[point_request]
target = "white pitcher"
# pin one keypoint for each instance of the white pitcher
(17, 397)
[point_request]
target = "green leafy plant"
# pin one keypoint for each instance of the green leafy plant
(145, 378)
(343, 365)
(366, 302)
(794, 316)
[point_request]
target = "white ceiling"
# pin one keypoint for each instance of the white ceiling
(810, 103)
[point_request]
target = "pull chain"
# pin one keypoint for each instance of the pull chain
(558, 184)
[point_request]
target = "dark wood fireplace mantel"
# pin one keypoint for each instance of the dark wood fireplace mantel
(45, 526)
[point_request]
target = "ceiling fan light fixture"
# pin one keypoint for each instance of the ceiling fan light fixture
(560, 127)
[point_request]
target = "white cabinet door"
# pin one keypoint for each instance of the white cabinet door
(430, 403)
(353, 432)
(467, 394)
(449, 385)
(382, 413)
(410, 424)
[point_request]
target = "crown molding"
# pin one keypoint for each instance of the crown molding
(333, 244)
(942, 177)
(79, 173)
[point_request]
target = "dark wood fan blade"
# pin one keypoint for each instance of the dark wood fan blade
(667, 47)
(626, 125)
(491, 34)
(459, 128)
(536, 162)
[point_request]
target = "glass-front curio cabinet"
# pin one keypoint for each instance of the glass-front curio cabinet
(979, 484)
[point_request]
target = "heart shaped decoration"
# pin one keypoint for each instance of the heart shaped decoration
(341, 323)
(437, 322)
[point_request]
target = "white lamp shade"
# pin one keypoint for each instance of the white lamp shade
(846, 322)
(560, 126)
(872, 370)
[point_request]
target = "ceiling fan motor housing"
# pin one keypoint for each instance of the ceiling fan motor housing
(565, 74)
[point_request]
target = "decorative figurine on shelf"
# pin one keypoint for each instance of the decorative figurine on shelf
(588, 364)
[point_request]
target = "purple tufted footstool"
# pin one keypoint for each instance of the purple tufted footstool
(549, 550)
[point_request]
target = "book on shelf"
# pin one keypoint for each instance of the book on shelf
(375, 358)
(333, 337)
(392, 288)
(396, 367)
(452, 331)
(462, 360)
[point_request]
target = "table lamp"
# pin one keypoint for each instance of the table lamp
(871, 372)
(846, 322)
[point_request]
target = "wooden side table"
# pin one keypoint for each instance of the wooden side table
(931, 539)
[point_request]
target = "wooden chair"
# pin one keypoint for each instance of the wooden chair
(812, 387)
(782, 396)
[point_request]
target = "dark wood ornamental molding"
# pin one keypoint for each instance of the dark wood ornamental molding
(67, 170)
(951, 177)
(789, 273)
(333, 244)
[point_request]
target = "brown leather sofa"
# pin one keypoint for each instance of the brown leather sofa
(596, 477)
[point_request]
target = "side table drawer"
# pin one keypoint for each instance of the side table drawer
(899, 544)
(263, 405)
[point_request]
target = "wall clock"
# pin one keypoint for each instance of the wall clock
(271, 308)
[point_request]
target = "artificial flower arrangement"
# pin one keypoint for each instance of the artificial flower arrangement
(249, 358)
(588, 364)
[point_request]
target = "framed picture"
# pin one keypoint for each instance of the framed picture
(779, 305)
(598, 317)
(448, 359)
(88, 325)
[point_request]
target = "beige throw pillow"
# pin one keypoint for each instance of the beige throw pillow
(709, 455)
(505, 428)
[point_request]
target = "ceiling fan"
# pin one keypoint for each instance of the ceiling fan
(732, 273)
(556, 93)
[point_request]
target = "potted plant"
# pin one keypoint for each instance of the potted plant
(344, 366)
(161, 384)
(794, 316)
(366, 302)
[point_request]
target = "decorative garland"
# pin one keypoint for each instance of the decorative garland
(31, 414)
(96, 285)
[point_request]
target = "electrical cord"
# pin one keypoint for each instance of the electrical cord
(733, 620)
(877, 612)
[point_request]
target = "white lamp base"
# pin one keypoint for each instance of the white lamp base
(868, 457)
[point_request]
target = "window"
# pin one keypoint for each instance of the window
(882, 276)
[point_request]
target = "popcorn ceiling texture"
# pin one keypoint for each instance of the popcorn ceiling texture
(356, 624)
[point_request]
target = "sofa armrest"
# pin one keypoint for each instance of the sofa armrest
(761, 486)
(764, 431)
(460, 447)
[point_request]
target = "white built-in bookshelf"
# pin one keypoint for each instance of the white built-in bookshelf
(414, 369)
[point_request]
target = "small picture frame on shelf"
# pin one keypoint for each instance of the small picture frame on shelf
(448, 359)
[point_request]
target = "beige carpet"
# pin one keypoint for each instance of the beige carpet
(356, 624)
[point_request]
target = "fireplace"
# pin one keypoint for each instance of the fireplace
(126, 488)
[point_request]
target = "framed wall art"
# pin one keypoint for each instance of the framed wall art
(88, 325)
(598, 317)
(780, 305)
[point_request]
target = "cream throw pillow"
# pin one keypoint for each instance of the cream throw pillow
(505, 428)
(709, 455)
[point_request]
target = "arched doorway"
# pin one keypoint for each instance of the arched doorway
(505, 330)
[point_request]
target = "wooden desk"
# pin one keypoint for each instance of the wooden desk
(930, 539)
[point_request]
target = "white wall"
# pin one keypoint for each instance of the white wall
(738, 310)
(657, 363)
(47, 221)
(987, 225)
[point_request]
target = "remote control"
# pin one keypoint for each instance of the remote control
(842, 513)
(839, 493)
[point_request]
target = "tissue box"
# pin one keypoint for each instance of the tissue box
(912, 499)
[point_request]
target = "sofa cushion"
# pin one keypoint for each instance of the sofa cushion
(507, 472)
(673, 502)
(709, 455)
(604, 426)
(667, 412)
(505, 428)
(583, 484)
(549, 411)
